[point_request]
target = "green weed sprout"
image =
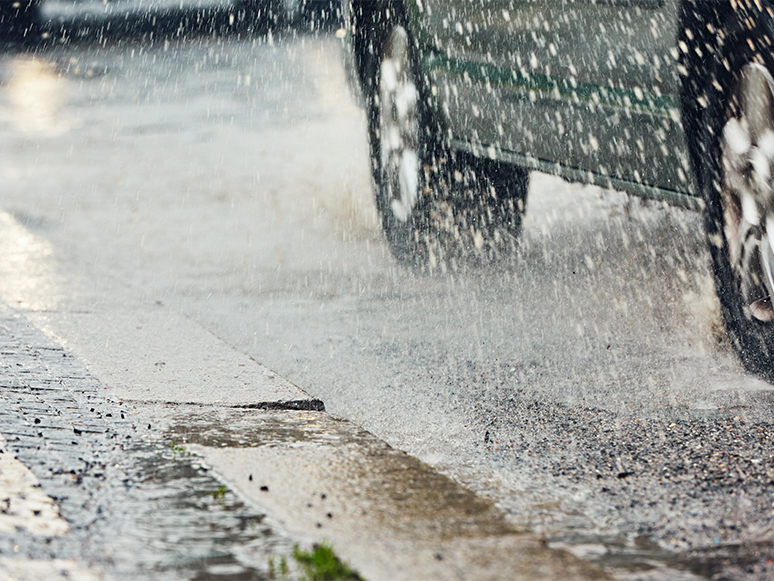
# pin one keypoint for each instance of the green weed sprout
(220, 493)
(322, 564)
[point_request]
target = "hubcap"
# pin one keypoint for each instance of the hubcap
(748, 196)
(399, 125)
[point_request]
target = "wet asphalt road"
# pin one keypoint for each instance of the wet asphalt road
(584, 384)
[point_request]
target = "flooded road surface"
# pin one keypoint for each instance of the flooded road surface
(584, 384)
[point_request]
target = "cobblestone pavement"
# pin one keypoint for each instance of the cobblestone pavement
(136, 504)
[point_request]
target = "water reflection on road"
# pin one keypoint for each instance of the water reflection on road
(34, 96)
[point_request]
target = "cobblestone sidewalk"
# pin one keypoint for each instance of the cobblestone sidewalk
(90, 490)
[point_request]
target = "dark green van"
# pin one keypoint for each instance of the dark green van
(667, 99)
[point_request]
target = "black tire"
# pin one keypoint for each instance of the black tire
(435, 204)
(737, 244)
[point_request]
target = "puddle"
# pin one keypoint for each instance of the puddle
(630, 558)
(637, 557)
(178, 521)
(236, 428)
(346, 457)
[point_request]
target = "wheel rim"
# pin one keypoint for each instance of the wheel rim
(399, 125)
(747, 149)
